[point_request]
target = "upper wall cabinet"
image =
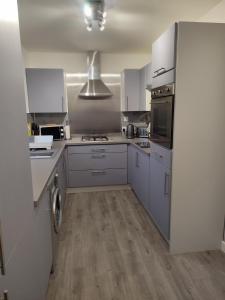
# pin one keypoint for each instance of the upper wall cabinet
(130, 90)
(133, 89)
(164, 56)
(46, 91)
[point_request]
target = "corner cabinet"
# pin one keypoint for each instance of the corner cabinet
(138, 173)
(130, 90)
(46, 91)
(133, 89)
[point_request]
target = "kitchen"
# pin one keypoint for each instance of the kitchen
(127, 201)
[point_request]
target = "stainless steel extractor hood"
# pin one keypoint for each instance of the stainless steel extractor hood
(94, 88)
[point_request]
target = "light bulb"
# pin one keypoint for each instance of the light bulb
(87, 10)
(89, 28)
(102, 27)
(103, 21)
(104, 14)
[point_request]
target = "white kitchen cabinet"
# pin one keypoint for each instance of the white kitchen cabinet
(130, 90)
(160, 189)
(46, 91)
(138, 173)
(145, 85)
(148, 76)
(164, 57)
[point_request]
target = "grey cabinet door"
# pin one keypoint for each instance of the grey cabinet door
(142, 99)
(130, 90)
(159, 204)
(138, 173)
(163, 52)
(45, 88)
(148, 75)
(131, 164)
(141, 176)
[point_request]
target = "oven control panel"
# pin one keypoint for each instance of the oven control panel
(163, 91)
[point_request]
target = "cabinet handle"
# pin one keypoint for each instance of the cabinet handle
(94, 173)
(98, 150)
(98, 156)
(137, 160)
(127, 102)
(2, 263)
(166, 184)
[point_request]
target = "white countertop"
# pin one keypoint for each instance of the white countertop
(42, 169)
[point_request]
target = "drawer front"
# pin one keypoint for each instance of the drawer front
(162, 155)
(97, 149)
(98, 161)
(97, 177)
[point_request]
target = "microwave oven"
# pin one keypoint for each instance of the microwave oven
(57, 131)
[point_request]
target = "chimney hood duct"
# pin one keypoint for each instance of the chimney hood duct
(94, 88)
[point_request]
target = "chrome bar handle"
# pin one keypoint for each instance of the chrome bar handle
(2, 262)
(166, 184)
(98, 150)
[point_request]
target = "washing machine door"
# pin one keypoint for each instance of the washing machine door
(57, 209)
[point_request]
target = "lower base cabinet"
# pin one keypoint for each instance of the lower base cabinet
(160, 190)
(138, 173)
(96, 165)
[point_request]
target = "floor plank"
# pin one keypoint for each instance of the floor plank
(109, 249)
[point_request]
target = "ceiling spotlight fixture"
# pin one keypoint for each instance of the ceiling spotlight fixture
(89, 27)
(95, 14)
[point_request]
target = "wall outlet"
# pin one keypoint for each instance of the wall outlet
(223, 246)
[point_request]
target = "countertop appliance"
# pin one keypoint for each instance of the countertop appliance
(162, 110)
(40, 142)
(94, 138)
(130, 131)
(142, 132)
(56, 210)
(57, 131)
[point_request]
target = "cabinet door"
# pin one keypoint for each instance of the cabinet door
(148, 76)
(141, 176)
(131, 164)
(159, 204)
(163, 52)
(142, 99)
(130, 90)
(45, 89)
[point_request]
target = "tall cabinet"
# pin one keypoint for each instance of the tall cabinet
(18, 241)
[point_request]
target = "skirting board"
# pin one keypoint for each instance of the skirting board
(223, 246)
(98, 189)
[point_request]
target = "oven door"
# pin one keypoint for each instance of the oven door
(162, 121)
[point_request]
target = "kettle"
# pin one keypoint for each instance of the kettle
(130, 131)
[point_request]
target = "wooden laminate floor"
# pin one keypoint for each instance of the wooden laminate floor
(110, 250)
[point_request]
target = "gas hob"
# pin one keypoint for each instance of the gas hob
(94, 138)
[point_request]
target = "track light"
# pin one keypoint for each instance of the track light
(95, 14)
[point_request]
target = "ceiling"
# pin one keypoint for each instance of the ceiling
(132, 25)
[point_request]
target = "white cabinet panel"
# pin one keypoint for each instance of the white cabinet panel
(164, 53)
(130, 90)
(46, 92)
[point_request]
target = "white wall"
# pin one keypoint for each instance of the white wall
(76, 62)
(217, 14)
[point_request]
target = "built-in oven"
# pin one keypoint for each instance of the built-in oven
(162, 110)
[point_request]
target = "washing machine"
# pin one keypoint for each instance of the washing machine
(56, 210)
